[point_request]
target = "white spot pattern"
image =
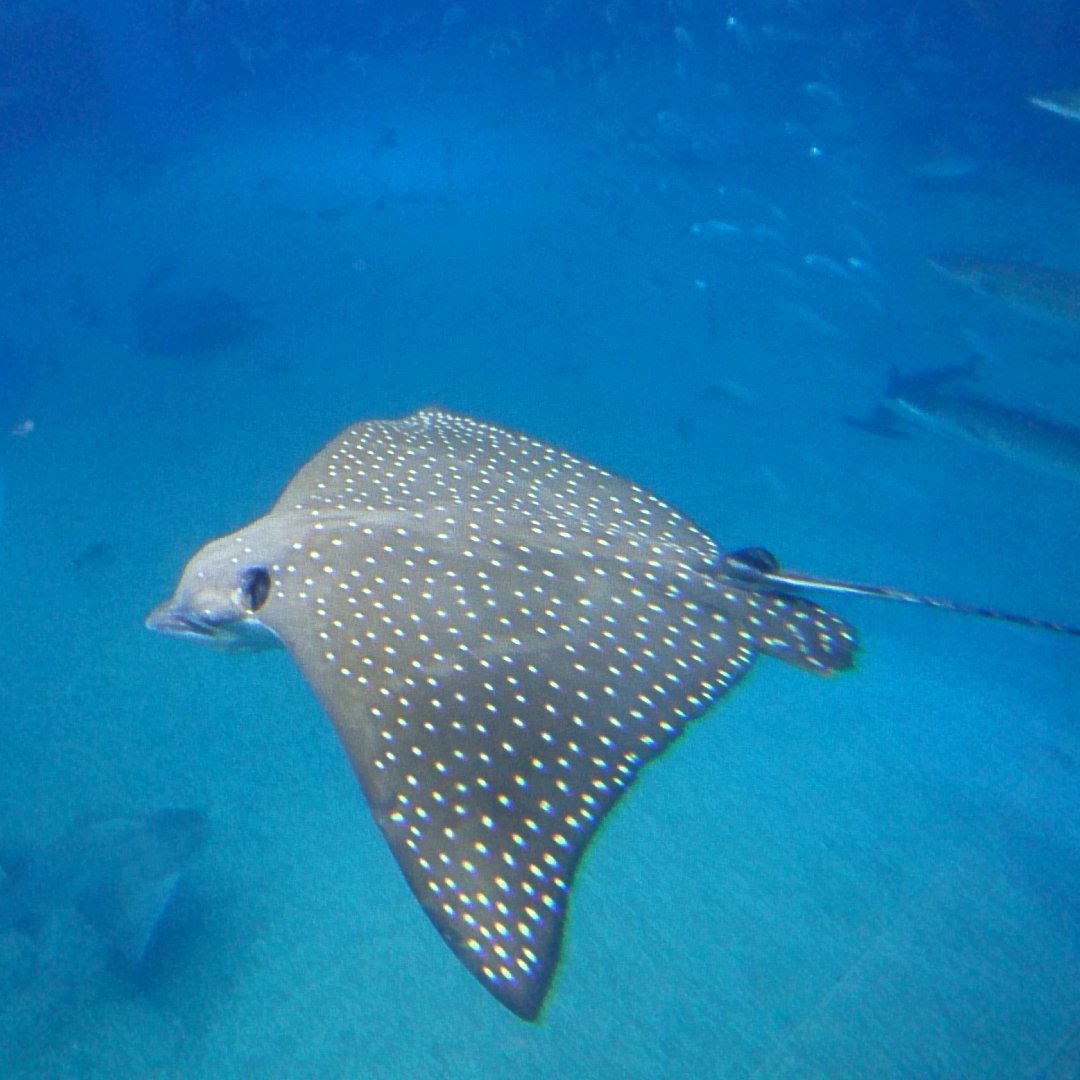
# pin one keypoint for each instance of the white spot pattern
(503, 635)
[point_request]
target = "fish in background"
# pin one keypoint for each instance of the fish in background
(947, 168)
(120, 875)
(97, 555)
(1064, 103)
(192, 324)
(934, 399)
(1042, 292)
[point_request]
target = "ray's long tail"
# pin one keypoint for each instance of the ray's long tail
(760, 568)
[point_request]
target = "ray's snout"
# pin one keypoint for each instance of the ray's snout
(211, 616)
(172, 618)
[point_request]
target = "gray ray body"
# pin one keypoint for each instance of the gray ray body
(502, 635)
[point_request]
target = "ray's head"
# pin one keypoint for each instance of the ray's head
(219, 597)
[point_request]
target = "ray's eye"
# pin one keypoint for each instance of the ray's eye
(255, 583)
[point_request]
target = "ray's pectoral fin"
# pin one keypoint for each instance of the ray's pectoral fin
(487, 787)
(485, 819)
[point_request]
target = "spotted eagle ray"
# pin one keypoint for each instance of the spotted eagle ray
(502, 634)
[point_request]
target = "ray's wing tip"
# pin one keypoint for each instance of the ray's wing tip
(523, 995)
(525, 1001)
(843, 662)
(842, 655)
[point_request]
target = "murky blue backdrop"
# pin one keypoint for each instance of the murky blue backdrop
(685, 239)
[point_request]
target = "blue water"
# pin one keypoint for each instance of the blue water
(684, 240)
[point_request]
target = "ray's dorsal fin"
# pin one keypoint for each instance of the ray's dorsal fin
(759, 568)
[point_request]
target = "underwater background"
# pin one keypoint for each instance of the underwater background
(688, 240)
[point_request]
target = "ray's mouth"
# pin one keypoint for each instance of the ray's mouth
(174, 621)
